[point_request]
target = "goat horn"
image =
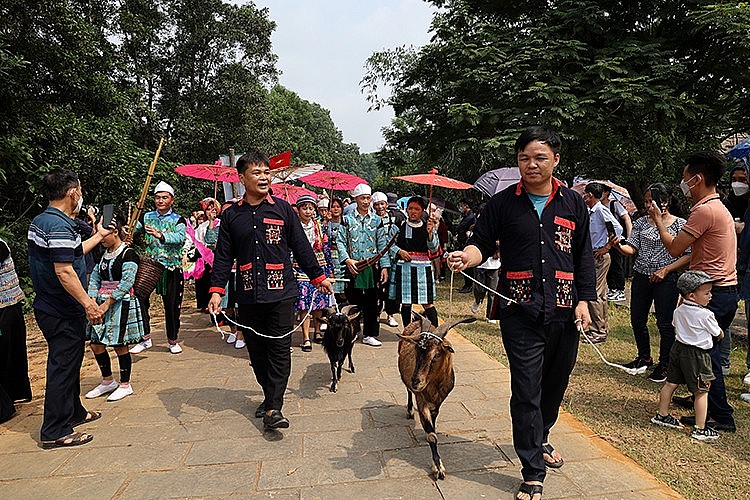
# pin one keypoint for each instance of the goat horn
(426, 324)
(443, 329)
(345, 310)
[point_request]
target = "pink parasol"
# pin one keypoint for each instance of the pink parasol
(290, 192)
(216, 172)
(329, 179)
(433, 179)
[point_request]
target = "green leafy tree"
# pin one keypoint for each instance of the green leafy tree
(631, 85)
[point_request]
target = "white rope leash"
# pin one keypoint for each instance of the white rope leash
(508, 299)
(629, 371)
(245, 327)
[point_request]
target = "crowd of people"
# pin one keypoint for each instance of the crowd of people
(551, 258)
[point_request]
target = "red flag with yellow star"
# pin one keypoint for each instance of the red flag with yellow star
(281, 160)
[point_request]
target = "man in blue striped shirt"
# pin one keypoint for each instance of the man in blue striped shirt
(61, 306)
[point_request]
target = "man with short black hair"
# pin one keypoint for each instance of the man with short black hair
(599, 216)
(61, 306)
(260, 231)
(548, 271)
(709, 232)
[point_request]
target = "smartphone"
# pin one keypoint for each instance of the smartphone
(656, 198)
(108, 212)
(610, 227)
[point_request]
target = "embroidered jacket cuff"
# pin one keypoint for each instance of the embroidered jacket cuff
(216, 289)
(317, 281)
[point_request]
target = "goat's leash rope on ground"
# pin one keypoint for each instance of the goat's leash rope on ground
(309, 311)
(629, 371)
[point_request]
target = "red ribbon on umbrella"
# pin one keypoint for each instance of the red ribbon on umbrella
(433, 179)
(332, 180)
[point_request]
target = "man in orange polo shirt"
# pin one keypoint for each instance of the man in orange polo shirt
(710, 232)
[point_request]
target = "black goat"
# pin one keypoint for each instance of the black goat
(338, 340)
(425, 362)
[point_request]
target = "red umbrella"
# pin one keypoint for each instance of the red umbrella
(329, 179)
(433, 179)
(216, 172)
(290, 192)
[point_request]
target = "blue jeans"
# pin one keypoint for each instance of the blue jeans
(724, 306)
(663, 295)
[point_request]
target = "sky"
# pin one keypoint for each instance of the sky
(322, 46)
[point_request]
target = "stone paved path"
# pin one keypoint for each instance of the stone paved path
(189, 431)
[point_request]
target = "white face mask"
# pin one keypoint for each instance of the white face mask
(79, 205)
(740, 188)
(685, 186)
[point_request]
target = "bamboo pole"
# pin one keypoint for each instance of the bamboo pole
(133, 219)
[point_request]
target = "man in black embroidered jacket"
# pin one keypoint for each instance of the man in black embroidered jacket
(548, 271)
(260, 231)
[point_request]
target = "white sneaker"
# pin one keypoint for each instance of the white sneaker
(745, 397)
(746, 380)
(102, 389)
(120, 393)
(232, 338)
(392, 322)
(175, 349)
(239, 344)
(474, 307)
(371, 341)
(141, 346)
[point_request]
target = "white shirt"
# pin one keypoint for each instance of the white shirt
(695, 325)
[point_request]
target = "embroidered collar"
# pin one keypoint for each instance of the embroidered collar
(113, 255)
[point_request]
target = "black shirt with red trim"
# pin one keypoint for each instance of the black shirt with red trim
(261, 238)
(547, 262)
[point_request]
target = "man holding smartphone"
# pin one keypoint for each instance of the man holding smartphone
(602, 225)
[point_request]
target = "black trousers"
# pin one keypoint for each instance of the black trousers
(202, 285)
(616, 273)
(172, 300)
(541, 358)
(390, 306)
(367, 301)
(14, 365)
(66, 342)
(271, 358)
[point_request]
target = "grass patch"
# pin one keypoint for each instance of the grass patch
(618, 406)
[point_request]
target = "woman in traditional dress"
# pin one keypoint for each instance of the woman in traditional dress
(414, 281)
(14, 367)
(207, 234)
(318, 239)
(112, 286)
(335, 210)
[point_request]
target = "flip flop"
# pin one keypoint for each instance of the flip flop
(72, 439)
(554, 464)
(530, 489)
(306, 346)
(90, 417)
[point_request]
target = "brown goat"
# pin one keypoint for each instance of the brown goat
(425, 361)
